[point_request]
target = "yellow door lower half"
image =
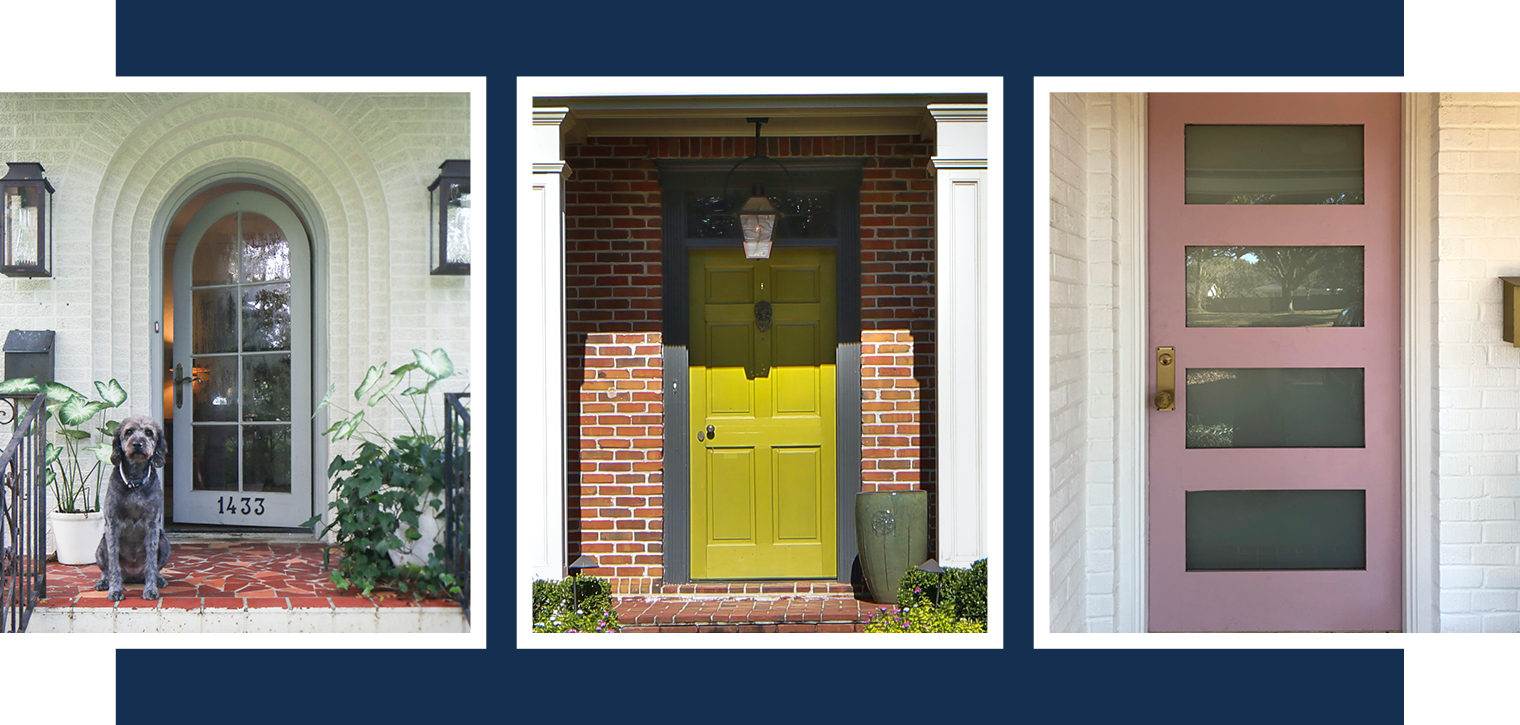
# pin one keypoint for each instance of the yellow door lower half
(762, 410)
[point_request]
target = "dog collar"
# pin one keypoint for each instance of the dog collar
(130, 484)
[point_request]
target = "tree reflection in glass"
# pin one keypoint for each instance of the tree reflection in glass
(1274, 286)
(266, 253)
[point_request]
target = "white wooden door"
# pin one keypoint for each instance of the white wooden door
(242, 349)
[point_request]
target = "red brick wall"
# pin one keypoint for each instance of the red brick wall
(612, 228)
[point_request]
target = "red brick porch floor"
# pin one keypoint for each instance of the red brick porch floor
(225, 577)
(748, 607)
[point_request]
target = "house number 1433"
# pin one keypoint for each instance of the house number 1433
(229, 505)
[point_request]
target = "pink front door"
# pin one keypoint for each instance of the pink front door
(1275, 477)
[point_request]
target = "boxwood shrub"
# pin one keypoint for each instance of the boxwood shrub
(961, 596)
(555, 608)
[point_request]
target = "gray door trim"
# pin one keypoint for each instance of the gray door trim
(310, 213)
(678, 176)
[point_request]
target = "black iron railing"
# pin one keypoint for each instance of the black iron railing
(23, 514)
(456, 500)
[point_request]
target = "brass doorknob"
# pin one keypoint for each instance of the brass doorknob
(1164, 400)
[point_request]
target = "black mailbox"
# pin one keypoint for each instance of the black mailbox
(29, 354)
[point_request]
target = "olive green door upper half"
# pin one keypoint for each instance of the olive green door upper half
(762, 411)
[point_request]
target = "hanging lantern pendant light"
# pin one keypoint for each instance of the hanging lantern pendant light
(758, 216)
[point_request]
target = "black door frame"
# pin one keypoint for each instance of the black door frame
(678, 177)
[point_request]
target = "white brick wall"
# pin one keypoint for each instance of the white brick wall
(1083, 375)
(1102, 349)
(365, 159)
(1478, 374)
(1068, 364)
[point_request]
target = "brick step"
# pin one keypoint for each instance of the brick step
(745, 613)
(801, 588)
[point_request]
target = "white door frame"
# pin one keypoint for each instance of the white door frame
(1421, 600)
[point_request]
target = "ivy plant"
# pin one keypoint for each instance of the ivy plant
(389, 481)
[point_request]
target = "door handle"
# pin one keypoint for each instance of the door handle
(179, 381)
(1166, 378)
(709, 435)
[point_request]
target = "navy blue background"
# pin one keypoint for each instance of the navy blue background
(502, 40)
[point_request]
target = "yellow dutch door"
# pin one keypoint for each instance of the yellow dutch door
(762, 409)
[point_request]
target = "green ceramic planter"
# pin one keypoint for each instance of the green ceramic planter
(892, 533)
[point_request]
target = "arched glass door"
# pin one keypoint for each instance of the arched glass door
(242, 362)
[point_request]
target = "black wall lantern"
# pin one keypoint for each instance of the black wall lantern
(449, 218)
(26, 224)
(758, 216)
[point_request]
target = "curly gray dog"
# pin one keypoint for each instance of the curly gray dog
(134, 547)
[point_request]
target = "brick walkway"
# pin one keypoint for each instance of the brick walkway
(227, 575)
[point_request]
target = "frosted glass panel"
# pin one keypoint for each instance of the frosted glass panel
(1275, 408)
(1274, 286)
(1274, 164)
(1254, 530)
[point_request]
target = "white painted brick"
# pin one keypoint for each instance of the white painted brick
(1456, 554)
(1456, 601)
(1501, 532)
(1505, 622)
(1494, 601)
(1465, 533)
(1461, 623)
(1500, 554)
(1498, 577)
(1465, 577)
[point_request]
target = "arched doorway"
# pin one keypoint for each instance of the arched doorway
(237, 273)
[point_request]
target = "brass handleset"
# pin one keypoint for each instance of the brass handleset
(1166, 378)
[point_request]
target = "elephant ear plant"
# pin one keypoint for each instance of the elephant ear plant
(74, 469)
(390, 483)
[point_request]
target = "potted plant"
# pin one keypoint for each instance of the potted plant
(75, 468)
(387, 513)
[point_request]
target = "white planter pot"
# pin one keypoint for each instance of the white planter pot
(77, 536)
(430, 526)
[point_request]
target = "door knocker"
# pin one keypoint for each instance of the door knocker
(763, 315)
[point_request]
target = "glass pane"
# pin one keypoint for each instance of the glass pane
(459, 223)
(806, 215)
(1253, 530)
(266, 317)
(216, 457)
(711, 216)
(266, 387)
(810, 216)
(216, 385)
(266, 253)
(21, 224)
(266, 458)
(1251, 286)
(1275, 408)
(215, 259)
(215, 320)
(1274, 164)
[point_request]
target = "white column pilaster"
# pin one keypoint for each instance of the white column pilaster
(965, 310)
(540, 381)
